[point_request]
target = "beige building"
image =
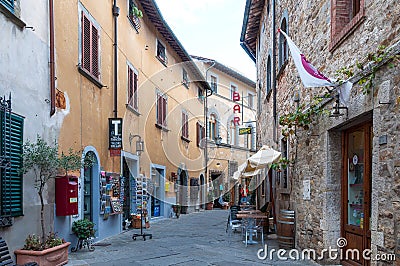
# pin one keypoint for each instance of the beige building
(230, 109)
(114, 66)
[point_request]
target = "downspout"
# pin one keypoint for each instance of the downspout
(274, 72)
(115, 11)
(51, 63)
(206, 123)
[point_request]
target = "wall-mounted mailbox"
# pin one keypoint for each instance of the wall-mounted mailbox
(66, 195)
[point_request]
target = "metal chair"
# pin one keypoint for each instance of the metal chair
(233, 223)
(253, 227)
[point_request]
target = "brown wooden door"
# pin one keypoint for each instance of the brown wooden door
(356, 192)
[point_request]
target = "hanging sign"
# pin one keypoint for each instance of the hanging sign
(236, 108)
(115, 133)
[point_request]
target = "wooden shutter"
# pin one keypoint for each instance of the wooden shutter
(130, 86)
(135, 92)
(95, 52)
(11, 178)
(86, 43)
(164, 111)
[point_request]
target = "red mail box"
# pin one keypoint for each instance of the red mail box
(66, 195)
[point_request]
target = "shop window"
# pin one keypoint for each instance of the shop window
(11, 136)
(346, 16)
(133, 88)
(90, 56)
(161, 111)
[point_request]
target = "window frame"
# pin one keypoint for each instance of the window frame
(212, 127)
(185, 78)
(250, 95)
(269, 76)
(214, 82)
(283, 49)
(233, 88)
(200, 133)
(163, 59)
(134, 93)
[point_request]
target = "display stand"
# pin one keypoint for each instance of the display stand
(141, 208)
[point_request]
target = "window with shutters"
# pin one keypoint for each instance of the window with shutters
(90, 56)
(346, 15)
(185, 125)
(283, 47)
(214, 83)
(11, 136)
(9, 4)
(161, 112)
(200, 134)
(133, 88)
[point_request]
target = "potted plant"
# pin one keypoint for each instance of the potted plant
(42, 159)
(210, 200)
(177, 209)
(84, 231)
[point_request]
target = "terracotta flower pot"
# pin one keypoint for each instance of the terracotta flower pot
(49, 257)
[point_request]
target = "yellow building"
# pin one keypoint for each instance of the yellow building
(231, 124)
(133, 103)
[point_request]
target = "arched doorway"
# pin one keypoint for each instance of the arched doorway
(182, 190)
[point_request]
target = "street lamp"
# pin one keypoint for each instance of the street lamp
(139, 143)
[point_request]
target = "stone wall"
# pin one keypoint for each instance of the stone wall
(318, 151)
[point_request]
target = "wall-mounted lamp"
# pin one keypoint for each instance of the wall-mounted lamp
(139, 143)
(336, 109)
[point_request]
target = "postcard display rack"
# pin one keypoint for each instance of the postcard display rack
(112, 194)
(141, 198)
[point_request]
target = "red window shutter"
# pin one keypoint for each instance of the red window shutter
(135, 92)
(159, 109)
(95, 52)
(130, 86)
(86, 42)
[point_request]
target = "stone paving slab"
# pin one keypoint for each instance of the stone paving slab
(193, 239)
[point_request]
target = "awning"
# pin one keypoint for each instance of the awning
(258, 161)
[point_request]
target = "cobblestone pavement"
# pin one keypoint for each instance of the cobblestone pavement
(193, 239)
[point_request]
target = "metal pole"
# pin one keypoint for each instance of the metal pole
(115, 11)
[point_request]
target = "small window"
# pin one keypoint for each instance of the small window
(346, 15)
(133, 17)
(199, 135)
(269, 74)
(250, 100)
(161, 53)
(233, 133)
(200, 94)
(214, 84)
(212, 127)
(233, 90)
(283, 48)
(133, 88)
(161, 113)
(90, 47)
(185, 125)
(185, 78)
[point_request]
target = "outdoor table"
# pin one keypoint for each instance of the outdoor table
(249, 212)
(251, 221)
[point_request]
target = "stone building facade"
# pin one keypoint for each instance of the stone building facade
(348, 161)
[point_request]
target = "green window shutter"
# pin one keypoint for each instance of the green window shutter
(11, 178)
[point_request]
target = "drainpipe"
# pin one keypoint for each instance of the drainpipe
(275, 137)
(115, 11)
(51, 63)
(206, 122)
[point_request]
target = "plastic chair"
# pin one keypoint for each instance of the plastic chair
(253, 227)
(233, 223)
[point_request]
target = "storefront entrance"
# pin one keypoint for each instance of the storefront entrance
(356, 192)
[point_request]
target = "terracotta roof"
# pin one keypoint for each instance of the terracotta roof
(251, 26)
(231, 72)
(152, 11)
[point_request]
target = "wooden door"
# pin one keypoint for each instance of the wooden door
(356, 192)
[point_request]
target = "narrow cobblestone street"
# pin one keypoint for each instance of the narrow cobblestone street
(193, 239)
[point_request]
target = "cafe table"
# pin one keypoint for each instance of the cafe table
(251, 217)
